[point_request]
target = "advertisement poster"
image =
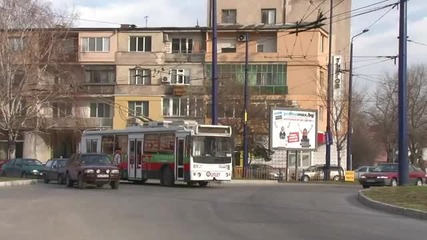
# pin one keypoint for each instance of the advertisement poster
(293, 129)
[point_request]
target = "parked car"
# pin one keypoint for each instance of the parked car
(54, 170)
(387, 175)
(23, 167)
(262, 171)
(362, 170)
(317, 172)
(91, 168)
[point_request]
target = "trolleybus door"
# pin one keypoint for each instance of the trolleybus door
(135, 156)
(90, 144)
(179, 158)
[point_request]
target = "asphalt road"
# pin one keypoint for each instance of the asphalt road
(152, 212)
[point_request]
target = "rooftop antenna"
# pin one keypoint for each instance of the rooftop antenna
(197, 24)
(146, 21)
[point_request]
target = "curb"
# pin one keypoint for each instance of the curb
(407, 212)
(254, 182)
(18, 183)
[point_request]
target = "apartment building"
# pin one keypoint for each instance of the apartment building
(282, 62)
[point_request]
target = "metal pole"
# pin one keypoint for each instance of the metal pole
(246, 105)
(329, 98)
(403, 105)
(350, 100)
(214, 65)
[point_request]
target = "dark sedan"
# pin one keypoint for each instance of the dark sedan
(54, 170)
(22, 167)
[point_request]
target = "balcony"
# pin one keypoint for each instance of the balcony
(185, 57)
(76, 123)
(146, 90)
(91, 89)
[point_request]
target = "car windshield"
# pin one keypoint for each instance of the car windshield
(96, 160)
(386, 168)
(31, 162)
(313, 168)
(212, 146)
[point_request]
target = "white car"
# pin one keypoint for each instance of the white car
(362, 170)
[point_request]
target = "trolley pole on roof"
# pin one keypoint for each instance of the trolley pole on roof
(214, 63)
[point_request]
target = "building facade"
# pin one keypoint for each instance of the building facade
(126, 74)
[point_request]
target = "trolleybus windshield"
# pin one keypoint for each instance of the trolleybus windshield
(217, 147)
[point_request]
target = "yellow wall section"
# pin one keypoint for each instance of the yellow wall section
(121, 109)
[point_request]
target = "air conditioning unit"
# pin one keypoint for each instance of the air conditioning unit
(166, 79)
(241, 38)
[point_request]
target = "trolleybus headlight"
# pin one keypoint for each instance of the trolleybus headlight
(98, 171)
(89, 171)
(114, 171)
(107, 171)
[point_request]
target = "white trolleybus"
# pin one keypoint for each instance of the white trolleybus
(176, 151)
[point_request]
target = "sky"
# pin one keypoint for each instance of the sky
(381, 40)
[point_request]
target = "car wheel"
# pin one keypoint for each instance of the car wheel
(393, 182)
(24, 175)
(68, 181)
(365, 187)
(305, 178)
(3, 174)
(45, 178)
(99, 185)
(167, 177)
(81, 183)
(336, 178)
(115, 184)
(60, 179)
(419, 182)
(203, 183)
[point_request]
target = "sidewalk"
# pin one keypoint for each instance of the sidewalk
(9, 183)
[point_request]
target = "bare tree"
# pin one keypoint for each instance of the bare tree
(384, 114)
(231, 112)
(31, 52)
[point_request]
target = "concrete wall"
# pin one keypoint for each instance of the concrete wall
(37, 146)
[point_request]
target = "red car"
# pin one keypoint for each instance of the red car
(387, 175)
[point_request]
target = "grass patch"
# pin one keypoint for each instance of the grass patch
(408, 197)
(7, 179)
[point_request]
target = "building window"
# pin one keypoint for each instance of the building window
(62, 109)
(182, 107)
(227, 45)
(100, 74)
(229, 16)
(96, 44)
(16, 43)
(304, 159)
(138, 108)
(322, 43)
(182, 45)
(140, 77)
(263, 78)
(140, 44)
(180, 76)
(267, 44)
(100, 110)
(268, 16)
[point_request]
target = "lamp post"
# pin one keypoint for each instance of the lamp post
(350, 99)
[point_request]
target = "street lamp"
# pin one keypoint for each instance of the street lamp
(350, 99)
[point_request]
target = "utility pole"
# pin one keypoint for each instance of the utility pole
(350, 99)
(146, 21)
(329, 99)
(403, 94)
(214, 64)
(246, 104)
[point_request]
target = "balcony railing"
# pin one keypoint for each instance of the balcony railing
(88, 88)
(185, 57)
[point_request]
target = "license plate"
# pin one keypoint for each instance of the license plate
(103, 175)
(370, 180)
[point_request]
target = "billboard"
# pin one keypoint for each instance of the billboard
(293, 129)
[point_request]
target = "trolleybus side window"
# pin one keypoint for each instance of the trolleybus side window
(91, 145)
(107, 144)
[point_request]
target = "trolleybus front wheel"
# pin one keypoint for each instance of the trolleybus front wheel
(167, 177)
